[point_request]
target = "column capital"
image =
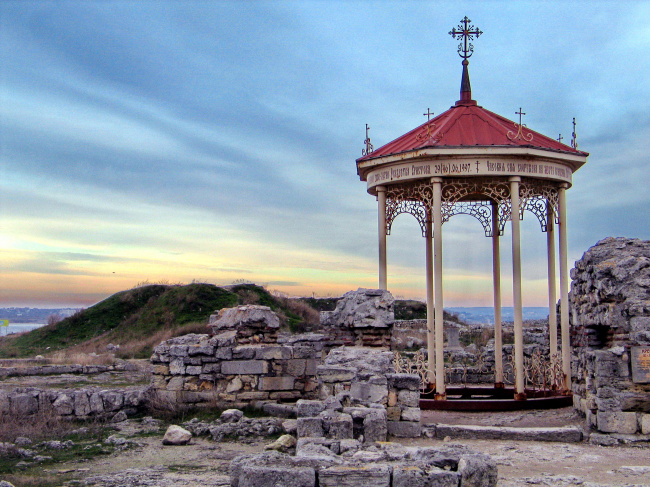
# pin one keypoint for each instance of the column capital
(564, 185)
(515, 179)
(436, 180)
(380, 189)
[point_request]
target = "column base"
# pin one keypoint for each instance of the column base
(440, 397)
(499, 385)
(520, 396)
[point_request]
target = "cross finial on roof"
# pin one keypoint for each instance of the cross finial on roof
(520, 134)
(559, 138)
(467, 33)
(428, 114)
(369, 148)
(574, 137)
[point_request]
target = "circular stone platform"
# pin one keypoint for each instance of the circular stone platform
(494, 399)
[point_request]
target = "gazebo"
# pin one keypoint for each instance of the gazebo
(471, 161)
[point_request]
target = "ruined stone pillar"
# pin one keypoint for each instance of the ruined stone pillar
(496, 283)
(437, 264)
(564, 290)
(516, 289)
(381, 200)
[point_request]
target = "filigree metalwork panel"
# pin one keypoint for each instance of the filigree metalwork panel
(413, 199)
(481, 210)
(537, 196)
(458, 198)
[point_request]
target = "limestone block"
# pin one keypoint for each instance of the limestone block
(285, 395)
(64, 404)
(178, 350)
(371, 393)
(308, 408)
(409, 399)
(223, 353)
(193, 370)
(394, 413)
(177, 366)
(375, 426)
(404, 429)
(311, 365)
(113, 400)
(265, 476)
(355, 476)
(231, 415)
(23, 404)
(337, 425)
(201, 348)
(283, 383)
(273, 353)
(305, 352)
(253, 396)
(333, 373)
(477, 470)
(176, 383)
(411, 414)
(310, 427)
(175, 435)
(81, 404)
(234, 385)
(617, 422)
(414, 476)
(404, 381)
(296, 367)
(96, 403)
(160, 370)
(244, 352)
(211, 368)
(645, 424)
(239, 367)
(244, 316)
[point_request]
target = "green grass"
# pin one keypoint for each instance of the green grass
(136, 318)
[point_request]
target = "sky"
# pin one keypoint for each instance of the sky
(215, 141)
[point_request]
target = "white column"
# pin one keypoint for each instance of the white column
(381, 200)
(437, 270)
(496, 282)
(564, 291)
(552, 295)
(431, 342)
(516, 289)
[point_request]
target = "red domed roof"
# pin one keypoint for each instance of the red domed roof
(468, 125)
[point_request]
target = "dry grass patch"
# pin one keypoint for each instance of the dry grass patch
(74, 357)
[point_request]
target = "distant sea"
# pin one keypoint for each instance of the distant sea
(19, 327)
(485, 315)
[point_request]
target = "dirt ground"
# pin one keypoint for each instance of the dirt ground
(205, 462)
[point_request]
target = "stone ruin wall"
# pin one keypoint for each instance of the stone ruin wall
(245, 360)
(610, 314)
(80, 403)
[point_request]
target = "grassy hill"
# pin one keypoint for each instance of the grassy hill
(140, 318)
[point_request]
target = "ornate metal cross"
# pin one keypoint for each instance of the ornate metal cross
(559, 138)
(467, 33)
(574, 136)
(428, 114)
(369, 148)
(520, 134)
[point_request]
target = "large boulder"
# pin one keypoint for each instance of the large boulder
(363, 308)
(247, 316)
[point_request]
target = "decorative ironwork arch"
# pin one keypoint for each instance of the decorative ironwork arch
(413, 199)
(539, 197)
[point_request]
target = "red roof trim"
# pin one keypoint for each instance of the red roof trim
(469, 125)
